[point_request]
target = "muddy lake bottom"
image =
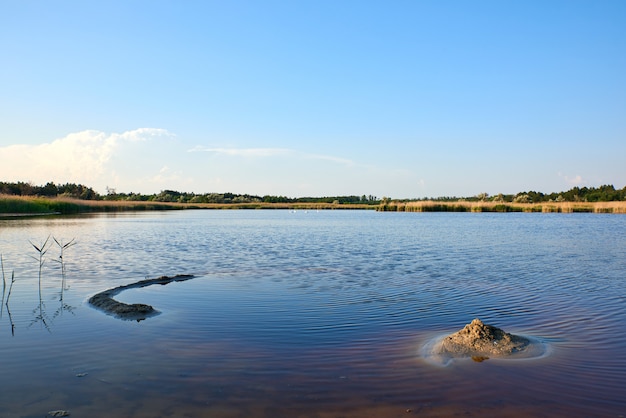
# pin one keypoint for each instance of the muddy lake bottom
(314, 314)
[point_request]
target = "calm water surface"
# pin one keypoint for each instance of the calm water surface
(314, 314)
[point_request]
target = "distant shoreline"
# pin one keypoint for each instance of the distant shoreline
(21, 206)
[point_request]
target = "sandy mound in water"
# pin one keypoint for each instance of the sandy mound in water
(478, 340)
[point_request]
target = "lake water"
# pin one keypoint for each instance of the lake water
(314, 314)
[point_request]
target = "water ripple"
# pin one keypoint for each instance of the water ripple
(321, 314)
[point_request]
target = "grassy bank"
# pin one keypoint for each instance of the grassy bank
(21, 206)
(545, 207)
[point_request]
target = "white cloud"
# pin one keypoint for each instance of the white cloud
(270, 152)
(135, 161)
(81, 157)
(577, 180)
(291, 172)
(143, 134)
(244, 152)
(167, 178)
(337, 160)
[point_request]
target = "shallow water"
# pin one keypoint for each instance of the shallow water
(315, 314)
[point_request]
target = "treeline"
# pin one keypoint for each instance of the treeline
(230, 198)
(605, 193)
(76, 191)
(79, 191)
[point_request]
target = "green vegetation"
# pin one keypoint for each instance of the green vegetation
(172, 196)
(25, 198)
(27, 205)
(10, 204)
(605, 193)
(81, 192)
(77, 191)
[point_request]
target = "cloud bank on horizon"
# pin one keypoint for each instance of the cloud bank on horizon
(407, 100)
(148, 160)
(103, 161)
(87, 157)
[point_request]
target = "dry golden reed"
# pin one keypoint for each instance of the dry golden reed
(545, 207)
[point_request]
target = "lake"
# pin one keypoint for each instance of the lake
(313, 314)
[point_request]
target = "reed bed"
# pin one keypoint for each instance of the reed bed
(21, 205)
(26, 205)
(544, 207)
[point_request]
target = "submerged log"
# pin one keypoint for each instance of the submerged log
(136, 311)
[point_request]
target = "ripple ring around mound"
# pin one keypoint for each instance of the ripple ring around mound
(480, 342)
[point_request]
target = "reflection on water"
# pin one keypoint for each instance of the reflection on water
(319, 314)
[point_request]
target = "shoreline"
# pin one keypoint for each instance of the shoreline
(12, 207)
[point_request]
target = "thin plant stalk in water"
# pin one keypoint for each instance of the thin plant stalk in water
(61, 260)
(4, 284)
(7, 302)
(10, 287)
(42, 250)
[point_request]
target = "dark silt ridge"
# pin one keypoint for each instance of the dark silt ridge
(136, 311)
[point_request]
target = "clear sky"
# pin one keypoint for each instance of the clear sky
(403, 99)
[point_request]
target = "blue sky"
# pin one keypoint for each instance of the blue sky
(404, 99)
